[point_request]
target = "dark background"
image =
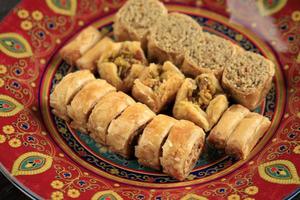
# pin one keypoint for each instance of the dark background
(7, 190)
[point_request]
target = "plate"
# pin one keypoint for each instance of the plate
(45, 158)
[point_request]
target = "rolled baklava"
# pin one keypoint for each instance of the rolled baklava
(85, 40)
(135, 19)
(66, 89)
(149, 148)
(246, 135)
(85, 100)
(121, 66)
(219, 135)
(193, 98)
(182, 149)
(90, 58)
(157, 85)
(106, 110)
(248, 78)
(123, 131)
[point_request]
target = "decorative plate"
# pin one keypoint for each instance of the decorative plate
(45, 158)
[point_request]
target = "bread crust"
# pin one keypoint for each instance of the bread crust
(85, 100)
(66, 89)
(182, 149)
(149, 148)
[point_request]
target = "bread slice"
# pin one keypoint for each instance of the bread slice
(134, 20)
(80, 45)
(171, 37)
(182, 149)
(248, 78)
(212, 54)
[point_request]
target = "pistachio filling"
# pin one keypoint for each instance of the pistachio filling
(203, 93)
(124, 59)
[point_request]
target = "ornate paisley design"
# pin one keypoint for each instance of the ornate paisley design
(108, 194)
(63, 7)
(269, 7)
(9, 106)
(31, 163)
(193, 197)
(14, 45)
(279, 171)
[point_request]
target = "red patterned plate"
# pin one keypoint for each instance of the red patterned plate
(45, 158)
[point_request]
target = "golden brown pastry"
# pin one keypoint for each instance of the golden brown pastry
(66, 89)
(80, 44)
(85, 100)
(246, 135)
(157, 85)
(107, 109)
(124, 130)
(216, 108)
(123, 65)
(193, 98)
(148, 150)
(90, 58)
(248, 78)
(182, 149)
(219, 135)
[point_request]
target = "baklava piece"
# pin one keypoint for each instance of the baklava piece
(66, 89)
(123, 65)
(182, 149)
(106, 110)
(85, 100)
(149, 148)
(193, 98)
(85, 40)
(157, 85)
(123, 131)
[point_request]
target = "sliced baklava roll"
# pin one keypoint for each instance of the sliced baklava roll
(182, 149)
(66, 89)
(135, 19)
(148, 150)
(107, 109)
(216, 108)
(193, 98)
(80, 45)
(248, 78)
(123, 131)
(90, 58)
(219, 135)
(171, 36)
(85, 100)
(157, 85)
(209, 55)
(121, 66)
(246, 135)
